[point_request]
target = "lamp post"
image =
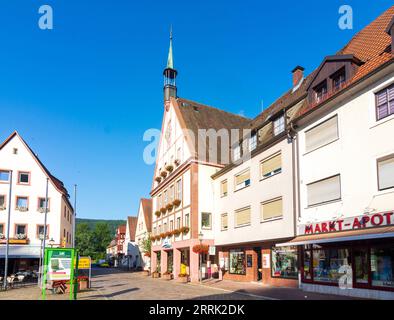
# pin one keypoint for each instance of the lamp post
(200, 237)
(51, 242)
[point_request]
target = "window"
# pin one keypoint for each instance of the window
(165, 198)
(179, 155)
(223, 188)
(178, 223)
(252, 142)
(171, 225)
(272, 209)
(206, 222)
(237, 262)
(41, 203)
(22, 203)
(242, 180)
(2, 202)
(279, 125)
(271, 166)
(23, 177)
(284, 262)
(386, 172)
(237, 153)
(338, 79)
(2, 229)
(15, 150)
(187, 220)
(320, 91)
(385, 102)
(171, 194)
(382, 267)
(154, 231)
(242, 217)
(165, 227)
(224, 222)
(20, 229)
(40, 232)
(4, 176)
(322, 134)
(179, 190)
(325, 190)
(159, 205)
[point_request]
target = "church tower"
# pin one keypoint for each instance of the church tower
(170, 74)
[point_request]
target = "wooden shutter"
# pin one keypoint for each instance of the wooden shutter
(272, 209)
(386, 173)
(270, 165)
(224, 221)
(242, 217)
(242, 177)
(325, 190)
(324, 133)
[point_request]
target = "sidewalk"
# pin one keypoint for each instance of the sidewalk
(253, 289)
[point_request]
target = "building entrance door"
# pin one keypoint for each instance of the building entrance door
(259, 264)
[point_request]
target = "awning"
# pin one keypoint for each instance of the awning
(353, 235)
(21, 251)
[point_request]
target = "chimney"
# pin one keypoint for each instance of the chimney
(298, 75)
(390, 31)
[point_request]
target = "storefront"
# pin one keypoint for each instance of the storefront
(353, 256)
(260, 262)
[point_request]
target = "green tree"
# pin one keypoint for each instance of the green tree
(83, 239)
(101, 237)
(146, 245)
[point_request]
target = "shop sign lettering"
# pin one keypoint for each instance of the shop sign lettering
(353, 223)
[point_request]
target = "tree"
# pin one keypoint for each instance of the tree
(146, 245)
(83, 239)
(101, 237)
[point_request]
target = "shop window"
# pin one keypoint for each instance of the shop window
(1, 230)
(324, 191)
(224, 222)
(271, 166)
(242, 180)
(272, 209)
(223, 188)
(206, 220)
(361, 266)
(4, 176)
(307, 265)
(327, 264)
(242, 217)
(386, 172)
(237, 262)
(284, 262)
(322, 134)
(382, 267)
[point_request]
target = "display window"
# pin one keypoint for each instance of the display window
(382, 267)
(284, 262)
(237, 262)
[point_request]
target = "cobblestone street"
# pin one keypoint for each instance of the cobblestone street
(112, 284)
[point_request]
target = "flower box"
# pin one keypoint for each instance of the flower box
(185, 229)
(200, 248)
(183, 278)
(176, 202)
(21, 236)
(158, 179)
(2, 208)
(167, 276)
(163, 210)
(176, 232)
(157, 213)
(169, 207)
(22, 209)
(163, 174)
(162, 235)
(169, 168)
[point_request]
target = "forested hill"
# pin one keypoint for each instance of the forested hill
(112, 224)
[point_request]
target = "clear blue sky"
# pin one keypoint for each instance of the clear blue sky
(83, 94)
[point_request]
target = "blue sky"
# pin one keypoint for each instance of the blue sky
(83, 94)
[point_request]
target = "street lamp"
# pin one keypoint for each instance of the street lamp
(51, 242)
(200, 237)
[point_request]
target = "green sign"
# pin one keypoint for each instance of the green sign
(59, 266)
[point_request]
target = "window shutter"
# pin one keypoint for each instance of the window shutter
(386, 173)
(224, 188)
(224, 221)
(272, 209)
(324, 133)
(242, 177)
(271, 165)
(242, 217)
(323, 191)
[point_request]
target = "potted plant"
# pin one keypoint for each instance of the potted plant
(21, 236)
(158, 179)
(169, 207)
(157, 213)
(158, 237)
(183, 278)
(163, 210)
(163, 174)
(162, 235)
(168, 234)
(169, 168)
(201, 248)
(185, 229)
(155, 274)
(176, 202)
(177, 232)
(167, 275)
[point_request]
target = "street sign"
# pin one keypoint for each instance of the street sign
(83, 263)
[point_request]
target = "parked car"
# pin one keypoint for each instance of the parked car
(104, 265)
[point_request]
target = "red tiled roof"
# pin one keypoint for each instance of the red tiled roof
(132, 222)
(147, 209)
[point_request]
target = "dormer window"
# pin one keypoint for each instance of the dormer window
(252, 142)
(320, 91)
(279, 125)
(338, 80)
(237, 153)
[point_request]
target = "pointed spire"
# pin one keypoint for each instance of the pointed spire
(170, 60)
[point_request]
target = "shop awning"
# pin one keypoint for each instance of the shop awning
(353, 235)
(21, 251)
